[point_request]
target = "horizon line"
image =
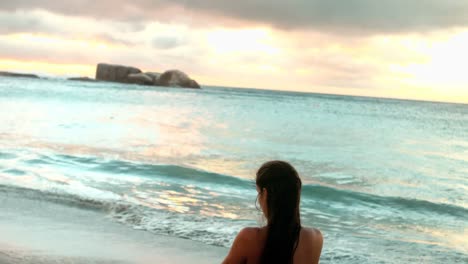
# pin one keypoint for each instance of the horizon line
(52, 76)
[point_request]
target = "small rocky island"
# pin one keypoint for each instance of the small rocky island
(131, 75)
(128, 74)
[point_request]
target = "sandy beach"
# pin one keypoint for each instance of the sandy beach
(12, 255)
(42, 232)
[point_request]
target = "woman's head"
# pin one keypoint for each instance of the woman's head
(279, 188)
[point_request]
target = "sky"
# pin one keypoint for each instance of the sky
(412, 49)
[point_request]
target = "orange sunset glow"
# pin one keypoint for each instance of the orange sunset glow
(422, 56)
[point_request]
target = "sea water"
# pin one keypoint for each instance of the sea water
(385, 180)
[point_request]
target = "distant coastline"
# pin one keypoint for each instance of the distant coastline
(18, 75)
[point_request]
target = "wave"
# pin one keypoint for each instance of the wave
(310, 192)
(348, 197)
(173, 172)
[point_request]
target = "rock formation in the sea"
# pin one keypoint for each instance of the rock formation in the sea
(176, 78)
(21, 75)
(82, 79)
(140, 78)
(115, 73)
(127, 74)
(154, 76)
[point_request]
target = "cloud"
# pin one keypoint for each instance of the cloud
(14, 23)
(334, 16)
(167, 42)
(366, 16)
(111, 39)
(42, 22)
(100, 48)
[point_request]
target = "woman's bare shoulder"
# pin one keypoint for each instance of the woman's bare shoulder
(241, 248)
(312, 234)
(249, 233)
(249, 236)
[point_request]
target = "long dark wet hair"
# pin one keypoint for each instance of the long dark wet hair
(283, 186)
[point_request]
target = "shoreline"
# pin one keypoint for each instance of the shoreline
(35, 231)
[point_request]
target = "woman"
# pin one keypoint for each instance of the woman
(283, 240)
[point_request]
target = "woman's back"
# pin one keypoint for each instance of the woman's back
(248, 246)
(283, 240)
(309, 247)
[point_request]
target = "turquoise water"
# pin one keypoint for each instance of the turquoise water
(385, 180)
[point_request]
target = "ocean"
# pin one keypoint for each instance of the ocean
(385, 180)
